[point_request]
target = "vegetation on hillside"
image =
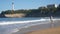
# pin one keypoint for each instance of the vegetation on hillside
(40, 12)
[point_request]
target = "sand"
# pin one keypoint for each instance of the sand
(41, 29)
(55, 30)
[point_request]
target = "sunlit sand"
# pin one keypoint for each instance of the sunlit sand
(46, 31)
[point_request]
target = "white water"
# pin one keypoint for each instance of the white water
(11, 27)
(16, 22)
(28, 21)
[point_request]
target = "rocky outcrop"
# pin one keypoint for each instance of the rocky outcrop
(2, 16)
(15, 15)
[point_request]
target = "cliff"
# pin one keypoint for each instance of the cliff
(15, 15)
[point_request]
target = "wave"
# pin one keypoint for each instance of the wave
(16, 22)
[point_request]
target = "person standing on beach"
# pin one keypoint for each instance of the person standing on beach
(52, 22)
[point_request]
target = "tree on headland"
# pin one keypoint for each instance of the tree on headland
(40, 12)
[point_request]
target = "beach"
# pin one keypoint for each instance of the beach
(46, 31)
(41, 29)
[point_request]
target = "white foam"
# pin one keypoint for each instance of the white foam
(28, 21)
(16, 22)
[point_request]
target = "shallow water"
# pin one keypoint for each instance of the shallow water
(17, 19)
(10, 25)
(17, 23)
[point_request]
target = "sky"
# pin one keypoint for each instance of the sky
(25, 4)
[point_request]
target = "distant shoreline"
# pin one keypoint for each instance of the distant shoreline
(21, 15)
(44, 11)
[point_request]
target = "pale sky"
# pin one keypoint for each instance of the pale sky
(25, 4)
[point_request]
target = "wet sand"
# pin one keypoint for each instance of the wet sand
(41, 29)
(46, 31)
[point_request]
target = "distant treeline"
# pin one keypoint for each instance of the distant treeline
(40, 12)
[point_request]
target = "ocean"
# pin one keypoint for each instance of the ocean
(17, 19)
(12, 25)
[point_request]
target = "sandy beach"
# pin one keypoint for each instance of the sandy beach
(52, 30)
(41, 29)
(46, 31)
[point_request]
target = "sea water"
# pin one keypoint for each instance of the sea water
(12, 25)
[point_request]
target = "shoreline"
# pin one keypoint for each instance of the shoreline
(38, 27)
